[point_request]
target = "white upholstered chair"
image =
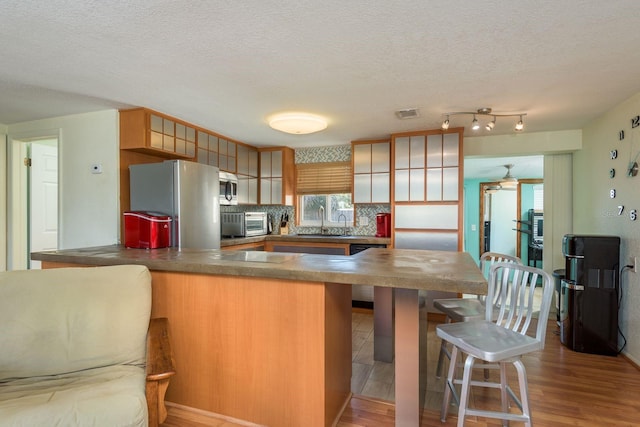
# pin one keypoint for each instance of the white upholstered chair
(502, 340)
(466, 309)
(78, 348)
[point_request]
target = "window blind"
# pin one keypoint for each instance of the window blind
(538, 197)
(323, 178)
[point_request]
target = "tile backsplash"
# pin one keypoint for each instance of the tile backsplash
(336, 153)
(277, 211)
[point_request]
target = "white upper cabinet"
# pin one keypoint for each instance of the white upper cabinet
(371, 167)
(427, 169)
(276, 176)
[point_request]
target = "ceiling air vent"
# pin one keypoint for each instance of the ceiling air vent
(409, 113)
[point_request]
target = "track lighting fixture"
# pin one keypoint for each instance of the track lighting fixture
(475, 125)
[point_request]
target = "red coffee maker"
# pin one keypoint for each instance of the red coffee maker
(383, 225)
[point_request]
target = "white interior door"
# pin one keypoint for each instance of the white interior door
(504, 210)
(43, 200)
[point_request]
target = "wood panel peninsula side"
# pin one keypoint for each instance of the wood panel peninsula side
(266, 337)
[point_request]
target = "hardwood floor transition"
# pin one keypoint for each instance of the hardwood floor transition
(566, 388)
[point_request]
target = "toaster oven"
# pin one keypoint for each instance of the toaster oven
(243, 224)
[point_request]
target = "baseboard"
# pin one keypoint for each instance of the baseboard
(213, 415)
(631, 360)
(341, 411)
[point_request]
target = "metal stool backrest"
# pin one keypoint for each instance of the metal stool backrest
(488, 259)
(514, 295)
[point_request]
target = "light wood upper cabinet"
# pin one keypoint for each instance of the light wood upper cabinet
(153, 133)
(247, 172)
(427, 167)
(216, 150)
(277, 176)
(371, 171)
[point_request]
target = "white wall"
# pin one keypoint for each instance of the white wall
(596, 213)
(523, 144)
(3, 198)
(89, 204)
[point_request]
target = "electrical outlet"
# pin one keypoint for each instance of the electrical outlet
(364, 221)
(633, 261)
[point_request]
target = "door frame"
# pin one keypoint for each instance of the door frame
(483, 187)
(18, 213)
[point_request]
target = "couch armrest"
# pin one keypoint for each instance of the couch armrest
(160, 368)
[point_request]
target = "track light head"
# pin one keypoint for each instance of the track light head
(519, 125)
(474, 124)
(491, 124)
(445, 124)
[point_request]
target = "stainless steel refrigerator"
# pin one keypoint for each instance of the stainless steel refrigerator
(188, 192)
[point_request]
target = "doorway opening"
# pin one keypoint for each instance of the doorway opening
(512, 221)
(33, 198)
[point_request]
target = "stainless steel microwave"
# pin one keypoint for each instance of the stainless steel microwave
(243, 224)
(228, 189)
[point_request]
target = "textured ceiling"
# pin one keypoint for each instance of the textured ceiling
(227, 66)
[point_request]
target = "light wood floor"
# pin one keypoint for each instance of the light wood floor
(566, 388)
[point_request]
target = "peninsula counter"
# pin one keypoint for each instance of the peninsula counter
(266, 337)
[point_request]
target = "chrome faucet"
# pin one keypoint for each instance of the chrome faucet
(344, 230)
(321, 211)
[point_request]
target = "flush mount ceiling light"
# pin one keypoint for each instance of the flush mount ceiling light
(475, 125)
(508, 182)
(298, 123)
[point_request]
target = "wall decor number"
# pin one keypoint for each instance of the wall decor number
(621, 135)
(612, 173)
(612, 193)
(633, 215)
(620, 209)
(635, 122)
(614, 154)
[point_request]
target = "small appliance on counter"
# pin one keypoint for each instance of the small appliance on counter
(383, 225)
(244, 224)
(147, 230)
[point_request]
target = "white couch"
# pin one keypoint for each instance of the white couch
(73, 348)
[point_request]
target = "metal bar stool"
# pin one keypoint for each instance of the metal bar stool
(466, 309)
(502, 340)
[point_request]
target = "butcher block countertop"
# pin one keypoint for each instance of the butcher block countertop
(397, 268)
